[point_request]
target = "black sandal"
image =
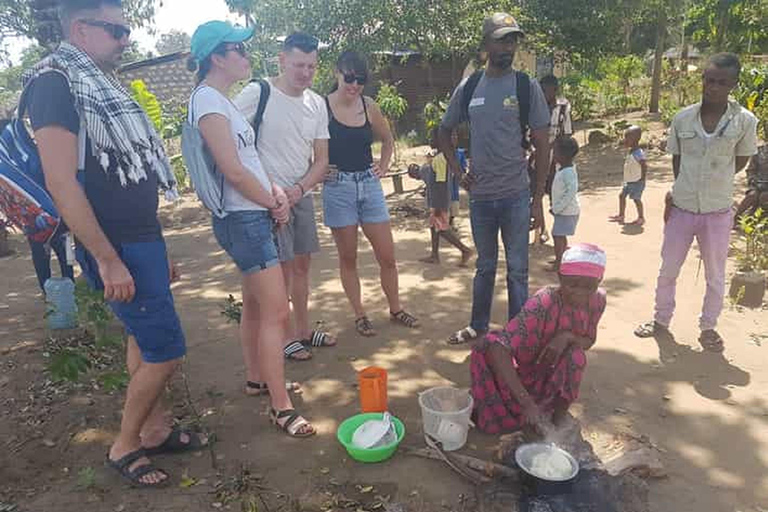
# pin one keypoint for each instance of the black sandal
(404, 318)
(650, 329)
(364, 327)
(293, 424)
(296, 347)
(711, 341)
(174, 444)
(319, 339)
(123, 466)
(256, 388)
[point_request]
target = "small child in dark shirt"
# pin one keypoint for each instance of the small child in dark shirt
(436, 176)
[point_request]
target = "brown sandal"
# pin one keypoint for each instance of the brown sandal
(364, 327)
(294, 423)
(404, 318)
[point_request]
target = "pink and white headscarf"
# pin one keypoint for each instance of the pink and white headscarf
(586, 260)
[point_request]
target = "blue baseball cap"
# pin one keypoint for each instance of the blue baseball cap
(211, 34)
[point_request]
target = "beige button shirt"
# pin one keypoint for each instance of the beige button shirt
(708, 161)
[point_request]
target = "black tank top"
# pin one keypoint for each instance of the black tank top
(349, 148)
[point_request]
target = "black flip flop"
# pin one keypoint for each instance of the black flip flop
(174, 444)
(318, 339)
(294, 348)
(123, 465)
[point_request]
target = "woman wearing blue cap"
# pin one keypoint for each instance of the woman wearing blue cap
(252, 204)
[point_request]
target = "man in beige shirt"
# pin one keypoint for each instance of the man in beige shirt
(710, 142)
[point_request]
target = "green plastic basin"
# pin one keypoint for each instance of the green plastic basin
(348, 427)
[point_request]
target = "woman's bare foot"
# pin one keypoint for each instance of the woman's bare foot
(431, 259)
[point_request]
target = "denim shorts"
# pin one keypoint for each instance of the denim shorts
(354, 199)
(151, 316)
(248, 237)
(565, 225)
(634, 190)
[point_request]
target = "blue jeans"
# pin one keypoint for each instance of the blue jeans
(512, 217)
(41, 258)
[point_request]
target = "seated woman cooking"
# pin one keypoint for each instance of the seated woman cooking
(529, 373)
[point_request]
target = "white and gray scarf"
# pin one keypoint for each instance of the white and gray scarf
(119, 130)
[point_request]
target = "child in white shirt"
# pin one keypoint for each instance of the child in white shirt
(565, 195)
(635, 171)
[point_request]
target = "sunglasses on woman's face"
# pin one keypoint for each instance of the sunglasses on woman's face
(351, 78)
(238, 48)
(116, 30)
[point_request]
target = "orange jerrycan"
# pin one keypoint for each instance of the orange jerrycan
(372, 383)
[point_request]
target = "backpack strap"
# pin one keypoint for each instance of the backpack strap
(469, 89)
(82, 134)
(191, 121)
(523, 86)
(264, 93)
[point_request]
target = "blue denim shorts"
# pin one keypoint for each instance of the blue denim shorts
(151, 316)
(354, 199)
(248, 237)
(634, 190)
(565, 225)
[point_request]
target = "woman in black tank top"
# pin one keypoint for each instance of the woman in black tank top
(352, 195)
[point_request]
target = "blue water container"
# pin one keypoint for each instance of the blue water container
(60, 300)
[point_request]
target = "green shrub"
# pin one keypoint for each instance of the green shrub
(180, 173)
(581, 92)
(148, 102)
(68, 365)
(752, 93)
(433, 114)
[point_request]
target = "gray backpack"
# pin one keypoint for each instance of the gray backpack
(206, 179)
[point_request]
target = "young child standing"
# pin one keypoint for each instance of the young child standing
(565, 195)
(436, 176)
(461, 157)
(635, 171)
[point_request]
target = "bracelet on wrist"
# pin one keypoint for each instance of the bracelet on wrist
(301, 188)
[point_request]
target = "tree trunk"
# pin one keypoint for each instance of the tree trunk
(661, 32)
(722, 25)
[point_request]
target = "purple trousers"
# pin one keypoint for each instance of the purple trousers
(712, 232)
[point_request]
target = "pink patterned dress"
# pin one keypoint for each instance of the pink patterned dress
(526, 335)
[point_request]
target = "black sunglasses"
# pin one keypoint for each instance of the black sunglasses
(351, 77)
(116, 30)
(239, 48)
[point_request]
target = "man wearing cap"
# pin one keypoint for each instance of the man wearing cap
(85, 121)
(293, 148)
(498, 182)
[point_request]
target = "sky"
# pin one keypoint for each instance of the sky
(174, 14)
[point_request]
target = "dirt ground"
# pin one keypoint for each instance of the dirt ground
(707, 414)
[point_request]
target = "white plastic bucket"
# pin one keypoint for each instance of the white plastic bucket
(445, 413)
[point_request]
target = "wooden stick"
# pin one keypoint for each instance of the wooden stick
(485, 467)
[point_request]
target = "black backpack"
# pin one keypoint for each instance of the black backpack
(523, 87)
(263, 98)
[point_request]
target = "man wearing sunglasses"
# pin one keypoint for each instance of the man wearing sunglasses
(293, 148)
(103, 163)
